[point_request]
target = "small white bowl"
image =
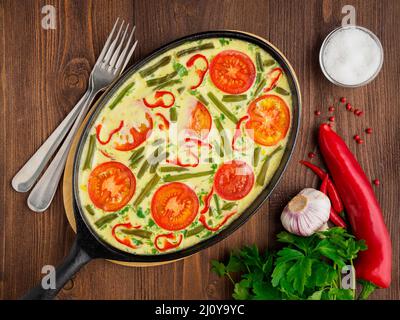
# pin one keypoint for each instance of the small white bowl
(322, 51)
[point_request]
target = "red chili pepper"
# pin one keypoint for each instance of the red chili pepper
(207, 200)
(167, 245)
(238, 132)
(164, 120)
(332, 192)
(202, 219)
(159, 95)
(139, 136)
(362, 208)
(199, 142)
(333, 216)
(126, 240)
(273, 77)
(200, 72)
(112, 132)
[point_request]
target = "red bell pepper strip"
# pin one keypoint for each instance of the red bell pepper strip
(333, 216)
(114, 131)
(165, 125)
(159, 95)
(202, 219)
(125, 241)
(139, 136)
(373, 265)
(200, 72)
(167, 245)
(272, 78)
(207, 201)
(107, 155)
(332, 192)
(238, 133)
(199, 142)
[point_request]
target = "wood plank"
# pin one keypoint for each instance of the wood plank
(45, 72)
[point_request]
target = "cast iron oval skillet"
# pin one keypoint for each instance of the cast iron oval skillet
(88, 245)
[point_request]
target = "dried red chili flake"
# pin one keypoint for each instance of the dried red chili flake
(342, 100)
(368, 130)
(317, 112)
(331, 109)
(311, 155)
(348, 107)
(376, 182)
(332, 119)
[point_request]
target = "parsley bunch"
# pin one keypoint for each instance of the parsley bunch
(305, 268)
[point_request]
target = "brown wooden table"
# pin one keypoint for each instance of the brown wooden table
(44, 72)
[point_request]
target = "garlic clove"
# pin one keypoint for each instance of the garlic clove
(306, 213)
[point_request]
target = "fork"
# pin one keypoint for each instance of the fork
(108, 66)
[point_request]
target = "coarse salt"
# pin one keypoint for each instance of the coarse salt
(351, 56)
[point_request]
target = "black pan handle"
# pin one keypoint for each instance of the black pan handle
(75, 260)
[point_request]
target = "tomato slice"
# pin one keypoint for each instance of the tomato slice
(233, 180)
(269, 120)
(111, 185)
(174, 206)
(232, 71)
(200, 121)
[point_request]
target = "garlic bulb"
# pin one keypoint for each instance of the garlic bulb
(306, 213)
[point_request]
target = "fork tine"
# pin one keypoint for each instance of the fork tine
(112, 45)
(116, 52)
(121, 58)
(105, 48)
(126, 60)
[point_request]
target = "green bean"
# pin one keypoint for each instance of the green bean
(256, 156)
(259, 62)
(169, 83)
(234, 98)
(195, 231)
(121, 95)
(173, 116)
(90, 210)
(151, 69)
(157, 142)
(135, 161)
(201, 98)
(259, 88)
(106, 219)
(180, 90)
(268, 62)
(172, 169)
(228, 206)
(222, 108)
(185, 176)
(143, 169)
(136, 153)
(282, 91)
(220, 149)
(138, 233)
(208, 45)
(146, 190)
(224, 145)
(263, 171)
(217, 206)
(210, 212)
(154, 166)
(89, 157)
(161, 80)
